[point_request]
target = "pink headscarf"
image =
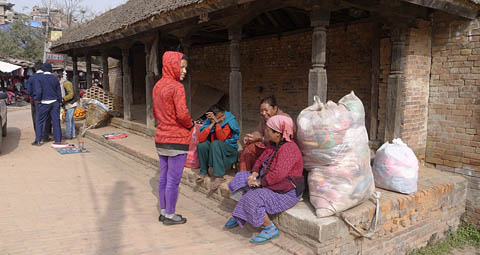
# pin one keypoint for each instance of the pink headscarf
(283, 125)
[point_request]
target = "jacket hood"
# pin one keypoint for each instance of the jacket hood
(47, 67)
(171, 65)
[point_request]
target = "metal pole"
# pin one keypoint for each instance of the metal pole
(45, 48)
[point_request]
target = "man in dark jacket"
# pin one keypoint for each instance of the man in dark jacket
(34, 81)
(49, 97)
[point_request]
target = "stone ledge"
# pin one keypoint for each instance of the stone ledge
(412, 220)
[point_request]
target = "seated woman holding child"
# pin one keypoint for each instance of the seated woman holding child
(217, 147)
(273, 185)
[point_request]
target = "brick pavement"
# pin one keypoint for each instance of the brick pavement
(99, 203)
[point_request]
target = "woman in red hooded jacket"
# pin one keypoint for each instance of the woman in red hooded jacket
(173, 134)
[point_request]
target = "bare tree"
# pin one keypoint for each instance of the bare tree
(74, 10)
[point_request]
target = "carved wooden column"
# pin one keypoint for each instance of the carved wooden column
(317, 78)
(88, 59)
(375, 79)
(127, 85)
(149, 86)
(187, 80)
(106, 81)
(395, 85)
(75, 75)
(235, 91)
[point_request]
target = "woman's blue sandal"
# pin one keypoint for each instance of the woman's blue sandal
(231, 223)
(267, 234)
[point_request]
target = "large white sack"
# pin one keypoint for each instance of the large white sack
(334, 144)
(396, 167)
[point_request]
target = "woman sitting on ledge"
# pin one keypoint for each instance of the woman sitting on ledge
(217, 146)
(275, 183)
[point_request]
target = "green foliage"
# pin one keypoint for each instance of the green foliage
(467, 234)
(22, 41)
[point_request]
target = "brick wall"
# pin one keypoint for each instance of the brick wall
(280, 66)
(454, 108)
(349, 62)
(414, 96)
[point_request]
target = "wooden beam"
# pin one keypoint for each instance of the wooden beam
(106, 79)
(88, 59)
(395, 84)
(375, 80)
(149, 85)
(127, 85)
(448, 6)
(235, 82)
(317, 78)
(75, 76)
(402, 10)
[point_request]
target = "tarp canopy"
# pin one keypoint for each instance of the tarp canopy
(7, 67)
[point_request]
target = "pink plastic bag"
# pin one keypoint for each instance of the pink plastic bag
(192, 156)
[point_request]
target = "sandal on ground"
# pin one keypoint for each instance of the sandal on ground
(161, 218)
(217, 183)
(267, 234)
(231, 223)
(168, 221)
(200, 177)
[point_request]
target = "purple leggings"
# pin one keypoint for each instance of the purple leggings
(171, 170)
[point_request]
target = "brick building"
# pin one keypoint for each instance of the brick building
(415, 64)
(6, 12)
(58, 20)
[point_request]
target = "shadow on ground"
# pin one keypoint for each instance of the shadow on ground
(11, 141)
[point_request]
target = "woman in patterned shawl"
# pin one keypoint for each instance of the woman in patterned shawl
(274, 184)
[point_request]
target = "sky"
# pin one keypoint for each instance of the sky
(98, 6)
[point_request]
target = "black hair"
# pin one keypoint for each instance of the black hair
(37, 66)
(269, 100)
(185, 57)
(216, 109)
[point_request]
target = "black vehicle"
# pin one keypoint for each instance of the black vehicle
(3, 117)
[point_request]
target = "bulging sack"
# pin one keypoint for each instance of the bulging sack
(396, 167)
(334, 144)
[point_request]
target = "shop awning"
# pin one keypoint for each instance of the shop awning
(7, 67)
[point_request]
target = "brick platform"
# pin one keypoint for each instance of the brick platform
(405, 221)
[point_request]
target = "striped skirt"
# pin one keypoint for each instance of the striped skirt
(257, 202)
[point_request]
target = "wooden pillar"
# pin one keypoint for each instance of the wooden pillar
(88, 59)
(75, 75)
(375, 79)
(127, 85)
(396, 81)
(235, 85)
(317, 78)
(187, 80)
(149, 86)
(106, 81)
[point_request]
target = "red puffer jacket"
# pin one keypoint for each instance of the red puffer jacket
(174, 129)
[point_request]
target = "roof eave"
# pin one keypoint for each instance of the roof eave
(149, 23)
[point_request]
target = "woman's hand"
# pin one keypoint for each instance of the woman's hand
(253, 183)
(252, 177)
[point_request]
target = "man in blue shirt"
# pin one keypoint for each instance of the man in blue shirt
(49, 97)
(33, 82)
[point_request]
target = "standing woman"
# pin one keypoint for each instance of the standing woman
(174, 131)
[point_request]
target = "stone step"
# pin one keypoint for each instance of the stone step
(405, 222)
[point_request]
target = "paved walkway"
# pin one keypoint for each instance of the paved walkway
(98, 203)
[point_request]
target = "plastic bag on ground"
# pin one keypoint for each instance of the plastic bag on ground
(334, 144)
(396, 167)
